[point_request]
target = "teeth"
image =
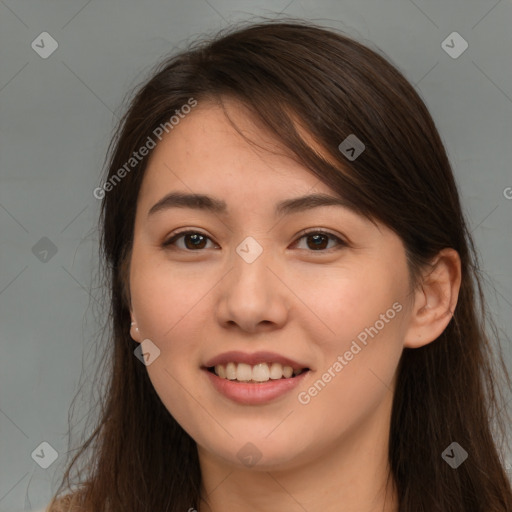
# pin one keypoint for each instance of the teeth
(276, 371)
(221, 371)
(261, 372)
(243, 372)
(287, 372)
(230, 371)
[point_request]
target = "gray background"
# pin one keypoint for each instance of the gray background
(56, 117)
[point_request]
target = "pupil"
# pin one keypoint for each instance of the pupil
(196, 238)
(318, 239)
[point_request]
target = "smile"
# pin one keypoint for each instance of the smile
(254, 393)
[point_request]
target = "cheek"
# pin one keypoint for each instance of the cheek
(370, 342)
(342, 304)
(163, 294)
(174, 310)
(356, 376)
(365, 313)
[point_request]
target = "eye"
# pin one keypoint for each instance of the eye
(319, 238)
(195, 240)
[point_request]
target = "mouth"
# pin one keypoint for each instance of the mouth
(259, 373)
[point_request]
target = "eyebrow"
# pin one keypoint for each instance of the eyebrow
(218, 206)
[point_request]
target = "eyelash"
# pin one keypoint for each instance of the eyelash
(341, 243)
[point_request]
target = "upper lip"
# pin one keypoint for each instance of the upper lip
(254, 358)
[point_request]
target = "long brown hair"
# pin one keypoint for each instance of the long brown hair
(140, 459)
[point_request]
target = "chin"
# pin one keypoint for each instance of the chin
(258, 453)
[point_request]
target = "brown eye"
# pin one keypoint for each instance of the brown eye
(318, 240)
(193, 240)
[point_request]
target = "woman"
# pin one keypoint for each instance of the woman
(293, 293)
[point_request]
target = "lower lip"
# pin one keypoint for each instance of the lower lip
(254, 393)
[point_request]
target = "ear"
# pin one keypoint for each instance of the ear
(435, 299)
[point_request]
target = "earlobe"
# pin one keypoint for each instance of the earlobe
(134, 331)
(435, 300)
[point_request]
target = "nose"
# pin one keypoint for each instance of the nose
(252, 296)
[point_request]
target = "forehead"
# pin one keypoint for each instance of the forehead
(205, 154)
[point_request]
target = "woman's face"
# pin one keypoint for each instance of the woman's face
(249, 286)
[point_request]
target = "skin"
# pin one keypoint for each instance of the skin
(305, 303)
